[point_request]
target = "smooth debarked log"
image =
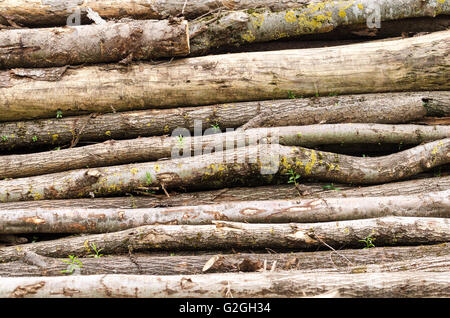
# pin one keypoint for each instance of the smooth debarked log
(80, 220)
(154, 148)
(385, 231)
(227, 285)
(275, 192)
(102, 43)
(249, 166)
(398, 65)
(369, 260)
(237, 28)
(382, 108)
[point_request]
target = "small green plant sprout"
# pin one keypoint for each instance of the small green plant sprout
(216, 127)
(4, 138)
(330, 187)
(180, 140)
(368, 240)
(96, 251)
(34, 138)
(293, 176)
(74, 263)
(148, 176)
(34, 239)
(58, 114)
(57, 148)
(291, 95)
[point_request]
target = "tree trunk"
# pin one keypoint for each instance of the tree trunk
(237, 28)
(79, 220)
(274, 192)
(398, 65)
(154, 148)
(261, 164)
(387, 108)
(231, 235)
(109, 42)
(378, 259)
(226, 285)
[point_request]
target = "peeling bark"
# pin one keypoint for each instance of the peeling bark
(154, 148)
(379, 259)
(249, 166)
(223, 235)
(397, 65)
(79, 220)
(383, 108)
(109, 42)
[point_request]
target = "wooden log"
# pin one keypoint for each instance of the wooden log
(275, 192)
(108, 42)
(383, 108)
(378, 259)
(154, 148)
(237, 28)
(385, 231)
(272, 284)
(79, 220)
(261, 164)
(396, 65)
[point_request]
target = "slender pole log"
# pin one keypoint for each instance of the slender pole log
(397, 65)
(271, 284)
(275, 192)
(226, 235)
(109, 42)
(79, 220)
(378, 259)
(153, 148)
(261, 164)
(237, 28)
(383, 108)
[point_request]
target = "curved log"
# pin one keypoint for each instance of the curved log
(397, 65)
(154, 148)
(261, 164)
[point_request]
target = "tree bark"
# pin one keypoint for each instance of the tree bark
(223, 235)
(237, 28)
(398, 65)
(274, 192)
(109, 42)
(383, 108)
(249, 166)
(79, 220)
(226, 285)
(154, 148)
(378, 259)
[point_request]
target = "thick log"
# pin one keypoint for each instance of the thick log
(108, 42)
(224, 235)
(270, 284)
(237, 28)
(383, 108)
(154, 148)
(378, 259)
(79, 220)
(261, 164)
(274, 192)
(397, 65)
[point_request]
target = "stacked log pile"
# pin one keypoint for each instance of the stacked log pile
(288, 148)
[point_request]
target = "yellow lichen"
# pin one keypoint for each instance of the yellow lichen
(249, 37)
(342, 14)
(157, 168)
(134, 171)
(108, 133)
(310, 165)
(290, 17)
(259, 19)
